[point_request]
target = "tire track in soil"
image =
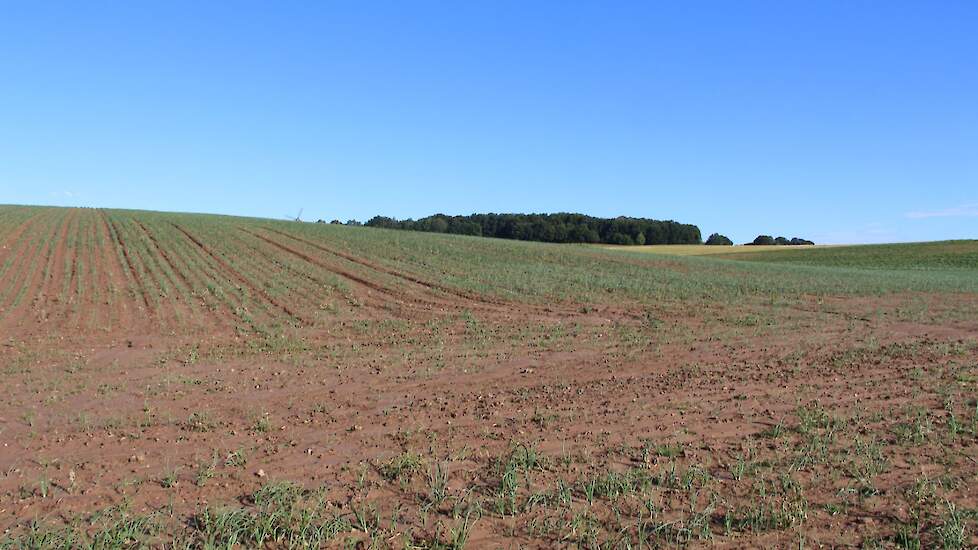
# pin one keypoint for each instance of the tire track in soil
(214, 317)
(69, 302)
(134, 274)
(14, 237)
(234, 273)
(169, 312)
(32, 278)
(258, 263)
(335, 270)
(37, 296)
(17, 254)
(417, 305)
(69, 265)
(113, 274)
(80, 270)
(314, 285)
(472, 300)
(203, 269)
(470, 297)
(47, 303)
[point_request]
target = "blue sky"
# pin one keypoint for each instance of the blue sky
(851, 121)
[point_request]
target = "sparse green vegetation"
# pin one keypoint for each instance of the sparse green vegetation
(221, 381)
(932, 256)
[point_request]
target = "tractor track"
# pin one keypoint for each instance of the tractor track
(113, 274)
(133, 272)
(178, 273)
(333, 269)
(30, 273)
(471, 297)
(241, 278)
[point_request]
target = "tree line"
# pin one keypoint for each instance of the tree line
(552, 228)
(566, 228)
(723, 240)
(767, 240)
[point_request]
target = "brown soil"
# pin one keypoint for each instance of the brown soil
(105, 395)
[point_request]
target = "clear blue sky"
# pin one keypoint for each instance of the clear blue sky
(850, 121)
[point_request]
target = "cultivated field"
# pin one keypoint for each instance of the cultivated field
(942, 255)
(206, 381)
(697, 249)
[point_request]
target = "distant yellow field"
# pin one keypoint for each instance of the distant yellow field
(702, 249)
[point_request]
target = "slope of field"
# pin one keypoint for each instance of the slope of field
(697, 249)
(940, 255)
(203, 381)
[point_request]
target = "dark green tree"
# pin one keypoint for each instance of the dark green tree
(554, 228)
(384, 221)
(718, 240)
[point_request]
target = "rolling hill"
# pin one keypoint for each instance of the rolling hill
(203, 381)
